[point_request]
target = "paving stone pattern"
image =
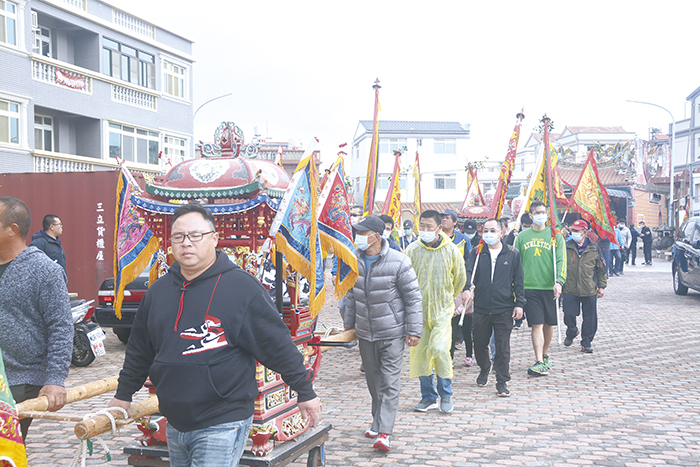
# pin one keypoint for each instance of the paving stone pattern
(634, 402)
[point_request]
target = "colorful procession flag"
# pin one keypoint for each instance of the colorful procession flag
(158, 267)
(590, 199)
(547, 164)
(416, 195)
(474, 195)
(335, 228)
(12, 452)
(373, 161)
(392, 204)
(134, 243)
(499, 199)
(554, 191)
(295, 229)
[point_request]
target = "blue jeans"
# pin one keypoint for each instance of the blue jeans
(427, 389)
(220, 445)
(615, 260)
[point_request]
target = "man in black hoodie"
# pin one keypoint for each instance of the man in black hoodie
(197, 334)
(499, 298)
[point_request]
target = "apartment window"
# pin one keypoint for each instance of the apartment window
(389, 146)
(522, 164)
(174, 79)
(42, 41)
(174, 149)
(445, 146)
(402, 181)
(383, 181)
(126, 63)
(9, 122)
(8, 23)
(133, 144)
(43, 133)
(445, 181)
(419, 142)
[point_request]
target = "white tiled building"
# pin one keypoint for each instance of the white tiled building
(443, 157)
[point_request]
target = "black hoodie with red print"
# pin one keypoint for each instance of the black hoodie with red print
(198, 341)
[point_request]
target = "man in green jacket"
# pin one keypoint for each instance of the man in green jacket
(586, 280)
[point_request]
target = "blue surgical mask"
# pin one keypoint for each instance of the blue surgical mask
(471, 235)
(407, 232)
(428, 236)
(361, 242)
(577, 236)
(539, 219)
(491, 238)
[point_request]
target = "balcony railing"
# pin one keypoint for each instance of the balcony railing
(51, 162)
(133, 24)
(50, 73)
(133, 97)
(79, 4)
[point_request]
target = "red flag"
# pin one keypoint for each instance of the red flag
(590, 199)
(373, 161)
(499, 198)
(473, 190)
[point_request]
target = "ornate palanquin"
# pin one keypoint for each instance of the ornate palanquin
(243, 193)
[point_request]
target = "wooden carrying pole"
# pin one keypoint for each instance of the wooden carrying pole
(345, 336)
(101, 424)
(78, 393)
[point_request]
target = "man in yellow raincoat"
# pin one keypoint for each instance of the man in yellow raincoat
(441, 276)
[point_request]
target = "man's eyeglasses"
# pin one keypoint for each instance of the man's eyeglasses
(192, 236)
(59, 223)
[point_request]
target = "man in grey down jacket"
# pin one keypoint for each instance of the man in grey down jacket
(385, 309)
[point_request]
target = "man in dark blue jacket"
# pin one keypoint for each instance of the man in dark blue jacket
(197, 334)
(47, 240)
(499, 297)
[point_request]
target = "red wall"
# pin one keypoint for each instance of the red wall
(75, 198)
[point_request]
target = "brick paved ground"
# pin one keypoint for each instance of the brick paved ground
(635, 401)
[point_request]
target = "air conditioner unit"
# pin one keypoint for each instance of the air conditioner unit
(35, 20)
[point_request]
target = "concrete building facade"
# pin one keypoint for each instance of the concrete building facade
(84, 82)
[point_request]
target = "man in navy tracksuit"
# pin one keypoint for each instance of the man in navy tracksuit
(197, 334)
(499, 297)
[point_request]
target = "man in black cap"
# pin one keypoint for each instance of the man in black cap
(388, 229)
(385, 309)
(470, 232)
(408, 236)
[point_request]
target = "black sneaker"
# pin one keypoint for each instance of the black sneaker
(586, 349)
(482, 379)
(502, 390)
(568, 342)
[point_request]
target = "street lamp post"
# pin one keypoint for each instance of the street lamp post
(210, 100)
(671, 178)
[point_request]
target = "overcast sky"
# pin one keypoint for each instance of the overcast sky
(300, 69)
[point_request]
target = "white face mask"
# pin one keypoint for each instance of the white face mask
(386, 235)
(428, 236)
(539, 219)
(471, 235)
(491, 238)
(361, 242)
(577, 236)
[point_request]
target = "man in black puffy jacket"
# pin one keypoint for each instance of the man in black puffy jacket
(499, 297)
(385, 309)
(47, 240)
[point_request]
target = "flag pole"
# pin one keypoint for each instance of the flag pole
(552, 214)
(373, 161)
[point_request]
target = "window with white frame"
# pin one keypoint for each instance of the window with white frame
(133, 144)
(389, 146)
(445, 181)
(127, 63)
(9, 122)
(42, 41)
(445, 146)
(522, 164)
(8, 23)
(174, 79)
(383, 181)
(175, 149)
(43, 132)
(402, 181)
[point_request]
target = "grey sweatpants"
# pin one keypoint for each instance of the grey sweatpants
(383, 361)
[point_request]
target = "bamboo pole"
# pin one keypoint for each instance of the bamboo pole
(345, 336)
(59, 417)
(78, 393)
(100, 423)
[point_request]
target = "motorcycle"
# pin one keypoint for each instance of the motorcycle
(88, 336)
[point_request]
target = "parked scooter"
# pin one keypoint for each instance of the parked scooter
(88, 336)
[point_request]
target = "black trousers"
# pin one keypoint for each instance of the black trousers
(21, 393)
(501, 325)
(647, 252)
(465, 332)
(573, 306)
(633, 252)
